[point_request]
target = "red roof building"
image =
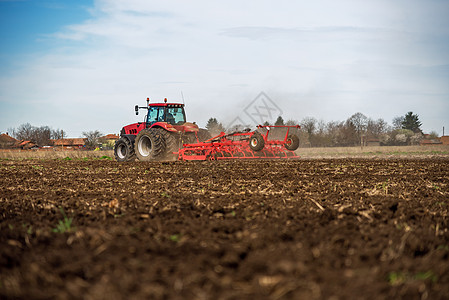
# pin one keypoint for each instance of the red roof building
(7, 141)
(26, 145)
(445, 139)
(70, 143)
(110, 137)
(430, 142)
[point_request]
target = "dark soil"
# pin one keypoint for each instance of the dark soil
(306, 229)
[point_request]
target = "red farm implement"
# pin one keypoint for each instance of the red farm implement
(274, 142)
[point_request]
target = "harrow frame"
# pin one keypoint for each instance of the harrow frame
(236, 145)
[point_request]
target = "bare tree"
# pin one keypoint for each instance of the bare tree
(375, 128)
(58, 134)
(42, 135)
(38, 135)
(358, 123)
(291, 122)
(433, 134)
(24, 132)
(397, 122)
(93, 138)
(309, 125)
(334, 133)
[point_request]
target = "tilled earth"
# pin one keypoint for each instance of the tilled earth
(305, 229)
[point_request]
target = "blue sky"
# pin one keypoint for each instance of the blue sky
(83, 65)
(26, 26)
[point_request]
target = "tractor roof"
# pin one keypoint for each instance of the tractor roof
(166, 104)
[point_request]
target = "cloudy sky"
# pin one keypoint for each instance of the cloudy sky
(83, 65)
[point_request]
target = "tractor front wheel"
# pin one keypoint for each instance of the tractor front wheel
(149, 145)
(123, 150)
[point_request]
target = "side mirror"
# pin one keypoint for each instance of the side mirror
(136, 108)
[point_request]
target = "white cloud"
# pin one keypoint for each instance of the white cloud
(327, 59)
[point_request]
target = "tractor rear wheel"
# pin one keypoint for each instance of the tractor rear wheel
(171, 141)
(256, 142)
(124, 150)
(149, 145)
(292, 142)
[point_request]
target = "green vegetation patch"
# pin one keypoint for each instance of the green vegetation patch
(64, 225)
(397, 278)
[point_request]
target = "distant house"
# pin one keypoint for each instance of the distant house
(444, 139)
(109, 137)
(76, 143)
(108, 141)
(7, 141)
(430, 142)
(27, 145)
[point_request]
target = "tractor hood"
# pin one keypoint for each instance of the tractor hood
(135, 128)
(187, 127)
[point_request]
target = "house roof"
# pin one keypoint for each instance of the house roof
(70, 142)
(4, 138)
(23, 143)
(110, 137)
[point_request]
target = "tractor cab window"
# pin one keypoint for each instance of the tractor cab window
(155, 114)
(175, 115)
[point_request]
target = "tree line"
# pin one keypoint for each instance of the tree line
(43, 135)
(357, 130)
(38, 135)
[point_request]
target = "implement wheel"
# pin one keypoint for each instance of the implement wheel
(149, 145)
(256, 142)
(124, 150)
(292, 142)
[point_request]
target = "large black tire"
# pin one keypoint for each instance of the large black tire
(256, 142)
(124, 150)
(149, 145)
(171, 141)
(292, 142)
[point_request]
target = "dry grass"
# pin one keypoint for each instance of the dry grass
(331, 152)
(376, 151)
(52, 154)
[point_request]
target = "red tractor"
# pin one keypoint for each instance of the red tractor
(163, 132)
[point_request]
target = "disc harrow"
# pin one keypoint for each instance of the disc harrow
(259, 144)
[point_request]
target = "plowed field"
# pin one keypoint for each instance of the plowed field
(306, 229)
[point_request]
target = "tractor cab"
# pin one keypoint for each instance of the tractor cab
(166, 112)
